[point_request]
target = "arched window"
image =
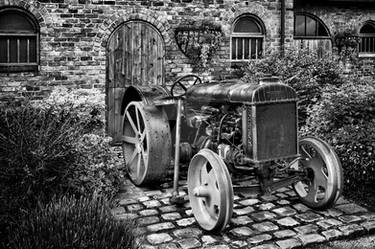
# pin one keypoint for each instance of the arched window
(310, 33)
(19, 41)
(367, 35)
(247, 38)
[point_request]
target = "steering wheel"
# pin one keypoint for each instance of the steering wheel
(184, 82)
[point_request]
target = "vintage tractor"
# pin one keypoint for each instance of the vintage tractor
(230, 130)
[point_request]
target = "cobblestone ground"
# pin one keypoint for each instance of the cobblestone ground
(259, 222)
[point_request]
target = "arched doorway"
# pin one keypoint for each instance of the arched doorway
(135, 56)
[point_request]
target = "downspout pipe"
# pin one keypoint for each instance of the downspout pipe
(282, 28)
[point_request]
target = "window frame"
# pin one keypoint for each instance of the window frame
(249, 35)
(17, 67)
(367, 35)
(317, 21)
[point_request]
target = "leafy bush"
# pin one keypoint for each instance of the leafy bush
(88, 106)
(52, 147)
(345, 117)
(71, 223)
(307, 73)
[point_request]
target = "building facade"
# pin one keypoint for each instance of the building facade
(110, 44)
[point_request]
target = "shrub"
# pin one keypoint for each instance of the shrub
(70, 223)
(307, 73)
(345, 117)
(51, 147)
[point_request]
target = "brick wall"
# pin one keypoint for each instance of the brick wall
(74, 34)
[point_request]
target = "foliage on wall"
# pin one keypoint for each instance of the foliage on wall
(199, 42)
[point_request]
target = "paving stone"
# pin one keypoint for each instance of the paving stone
(148, 247)
(266, 246)
(331, 212)
(288, 243)
(282, 195)
(288, 222)
(148, 220)
(127, 216)
(351, 208)
(285, 211)
(342, 200)
(208, 239)
(350, 218)
(265, 226)
(165, 201)
(269, 198)
(266, 206)
(168, 209)
(117, 211)
(138, 231)
(291, 193)
(217, 247)
(369, 225)
(249, 202)
(171, 216)
(311, 238)
(236, 197)
(259, 238)
(160, 226)
(283, 202)
(158, 238)
(125, 202)
(241, 220)
(189, 212)
(241, 231)
(301, 207)
(185, 222)
(264, 215)
(238, 244)
(187, 232)
(148, 212)
(309, 217)
(168, 246)
(284, 233)
(134, 207)
(153, 192)
(332, 234)
(143, 198)
(152, 203)
(189, 243)
(283, 189)
(243, 211)
(327, 223)
(249, 195)
(350, 229)
(310, 228)
(368, 216)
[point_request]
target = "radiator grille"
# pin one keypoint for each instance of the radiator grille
(275, 131)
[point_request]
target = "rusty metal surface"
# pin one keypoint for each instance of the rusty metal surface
(237, 91)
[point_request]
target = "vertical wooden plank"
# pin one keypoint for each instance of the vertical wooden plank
(18, 50)
(8, 50)
(28, 50)
(143, 54)
(256, 48)
(129, 58)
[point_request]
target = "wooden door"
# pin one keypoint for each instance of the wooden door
(135, 56)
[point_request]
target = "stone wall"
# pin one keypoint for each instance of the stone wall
(74, 34)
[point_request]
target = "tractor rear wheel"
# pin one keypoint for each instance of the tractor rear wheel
(146, 143)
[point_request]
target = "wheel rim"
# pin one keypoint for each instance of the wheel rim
(322, 185)
(210, 190)
(135, 142)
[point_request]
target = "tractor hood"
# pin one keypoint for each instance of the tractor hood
(237, 91)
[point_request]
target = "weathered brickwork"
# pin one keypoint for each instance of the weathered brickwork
(74, 35)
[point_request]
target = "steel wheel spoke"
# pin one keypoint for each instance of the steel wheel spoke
(144, 156)
(131, 122)
(143, 135)
(137, 117)
(204, 174)
(307, 155)
(135, 153)
(139, 162)
(320, 178)
(311, 194)
(129, 140)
